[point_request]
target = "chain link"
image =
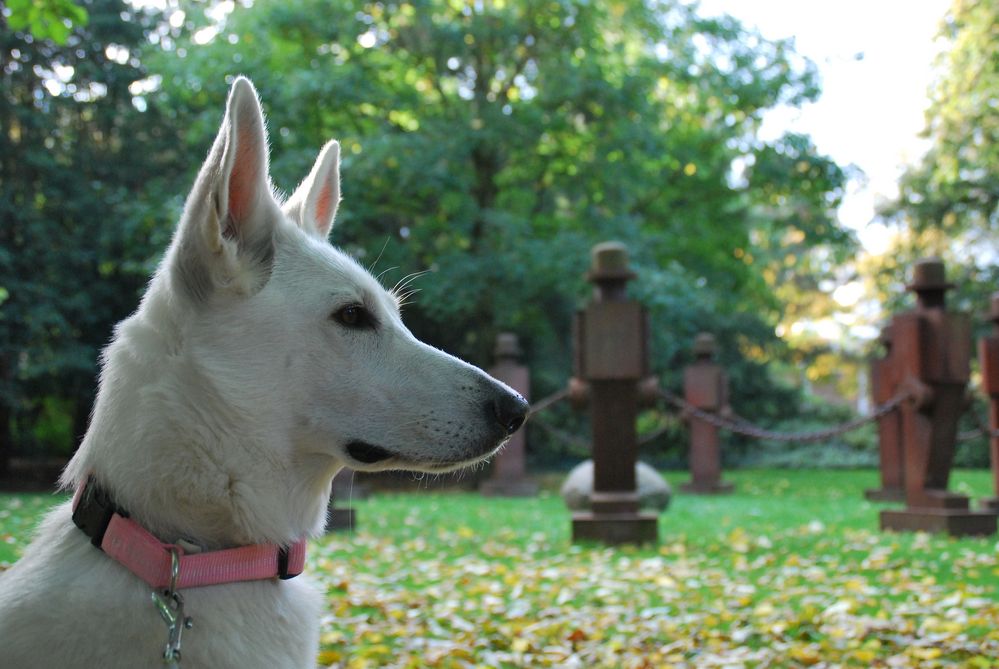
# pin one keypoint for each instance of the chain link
(549, 401)
(983, 429)
(565, 437)
(740, 426)
(655, 434)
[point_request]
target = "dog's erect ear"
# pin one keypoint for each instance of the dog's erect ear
(227, 234)
(243, 184)
(315, 201)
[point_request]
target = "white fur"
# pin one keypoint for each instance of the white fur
(226, 405)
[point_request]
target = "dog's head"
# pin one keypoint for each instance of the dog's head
(290, 329)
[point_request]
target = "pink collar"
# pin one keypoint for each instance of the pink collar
(111, 530)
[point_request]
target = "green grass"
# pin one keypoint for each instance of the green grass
(19, 514)
(789, 571)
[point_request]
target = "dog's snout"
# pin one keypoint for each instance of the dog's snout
(509, 410)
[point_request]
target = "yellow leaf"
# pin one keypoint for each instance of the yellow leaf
(925, 653)
(865, 656)
(854, 585)
(738, 539)
(331, 637)
(376, 650)
(806, 655)
(329, 657)
(764, 609)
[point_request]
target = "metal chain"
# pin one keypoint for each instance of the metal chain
(740, 425)
(655, 434)
(983, 429)
(749, 430)
(549, 401)
(565, 437)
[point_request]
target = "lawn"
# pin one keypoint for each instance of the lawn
(789, 571)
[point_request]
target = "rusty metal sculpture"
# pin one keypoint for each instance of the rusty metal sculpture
(509, 474)
(931, 348)
(890, 453)
(988, 351)
(611, 362)
(705, 386)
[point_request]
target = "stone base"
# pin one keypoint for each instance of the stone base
(989, 504)
(955, 522)
(508, 488)
(338, 520)
(885, 495)
(615, 528)
(707, 487)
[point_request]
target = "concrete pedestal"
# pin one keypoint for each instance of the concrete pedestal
(955, 522)
(615, 528)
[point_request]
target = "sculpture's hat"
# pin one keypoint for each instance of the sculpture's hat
(507, 346)
(929, 274)
(704, 344)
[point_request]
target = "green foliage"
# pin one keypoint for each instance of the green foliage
(973, 449)
(495, 143)
(77, 161)
(797, 239)
(956, 186)
(949, 200)
(490, 143)
(45, 19)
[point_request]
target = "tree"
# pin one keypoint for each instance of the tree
(948, 202)
(495, 142)
(489, 142)
(75, 155)
(45, 19)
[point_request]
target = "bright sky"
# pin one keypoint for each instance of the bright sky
(874, 59)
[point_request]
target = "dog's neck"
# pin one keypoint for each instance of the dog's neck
(157, 446)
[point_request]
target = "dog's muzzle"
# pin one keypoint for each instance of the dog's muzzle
(367, 453)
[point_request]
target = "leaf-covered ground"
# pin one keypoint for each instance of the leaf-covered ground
(790, 571)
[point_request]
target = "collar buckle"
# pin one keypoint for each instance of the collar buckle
(94, 510)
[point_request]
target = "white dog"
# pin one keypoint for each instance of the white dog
(260, 361)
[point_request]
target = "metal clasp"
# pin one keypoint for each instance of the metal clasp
(170, 604)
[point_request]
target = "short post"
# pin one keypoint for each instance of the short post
(611, 360)
(890, 456)
(988, 350)
(705, 386)
(933, 347)
(509, 474)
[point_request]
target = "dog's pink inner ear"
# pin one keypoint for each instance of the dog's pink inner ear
(244, 178)
(324, 207)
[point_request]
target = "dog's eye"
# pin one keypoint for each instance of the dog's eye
(354, 316)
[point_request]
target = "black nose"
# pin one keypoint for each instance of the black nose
(510, 411)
